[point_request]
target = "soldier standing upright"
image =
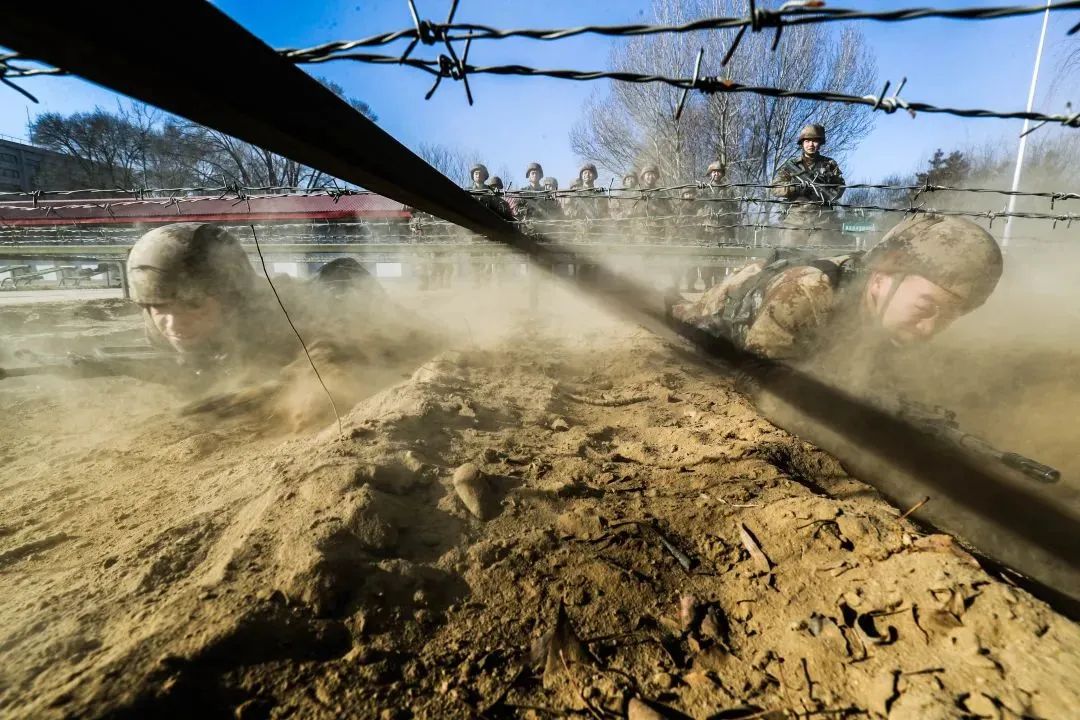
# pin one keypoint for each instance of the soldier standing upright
(811, 182)
(534, 202)
(655, 212)
(720, 216)
(587, 204)
(687, 231)
(624, 205)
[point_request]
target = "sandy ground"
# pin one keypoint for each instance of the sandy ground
(632, 537)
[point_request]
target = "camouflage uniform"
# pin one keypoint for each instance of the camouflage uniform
(586, 205)
(811, 183)
(719, 213)
(624, 207)
(534, 203)
(655, 210)
(184, 264)
(788, 307)
(688, 230)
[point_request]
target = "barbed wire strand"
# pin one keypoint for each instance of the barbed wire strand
(990, 215)
(800, 12)
(789, 14)
(265, 192)
(285, 312)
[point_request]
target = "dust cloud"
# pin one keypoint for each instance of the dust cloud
(244, 565)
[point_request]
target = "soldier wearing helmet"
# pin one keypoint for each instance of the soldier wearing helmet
(811, 182)
(720, 214)
(656, 208)
(203, 301)
(201, 297)
(925, 273)
(624, 203)
(587, 205)
(533, 202)
(487, 194)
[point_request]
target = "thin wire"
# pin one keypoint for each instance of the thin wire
(788, 15)
(443, 68)
(266, 271)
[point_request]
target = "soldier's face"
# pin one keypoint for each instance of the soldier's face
(918, 309)
(716, 176)
(550, 187)
(533, 176)
(811, 147)
(650, 178)
(477, 177)
(187, 326)
(588, 176)
(628, 182)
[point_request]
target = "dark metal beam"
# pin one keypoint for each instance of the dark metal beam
(192, 60)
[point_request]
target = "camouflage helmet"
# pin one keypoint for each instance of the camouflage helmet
(587, 166)
(630, 174)
(951, 252)
(496, 183)
(813, 131)
(484, 174)
(534, 166)
(187, 262)
(718, 166)
(550, 181)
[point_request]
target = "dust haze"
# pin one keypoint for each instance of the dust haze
(251, 566)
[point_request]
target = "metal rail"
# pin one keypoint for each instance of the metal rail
(276, 106)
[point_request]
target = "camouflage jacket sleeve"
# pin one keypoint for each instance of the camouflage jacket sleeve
(833, 176)
(712, 302)
(784, 178)
(797, 303)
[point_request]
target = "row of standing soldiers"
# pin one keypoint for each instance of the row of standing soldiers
(639, 208)
(809, 183)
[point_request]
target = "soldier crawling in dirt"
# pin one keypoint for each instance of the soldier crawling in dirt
(203, 301)
(811, 182)
(924, 274)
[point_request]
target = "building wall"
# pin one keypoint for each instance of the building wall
(19, 164)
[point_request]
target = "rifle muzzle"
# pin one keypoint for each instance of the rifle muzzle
(1031, 468)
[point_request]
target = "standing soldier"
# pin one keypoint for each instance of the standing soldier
(720, 214)
(586, 205)
(655, 205)
(654, 212)
(688, 231)
(811, 182)
(528, 201)
(534, 203)
(493, 201)
(624, 204)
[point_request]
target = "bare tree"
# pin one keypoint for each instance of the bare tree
(634, 124)
(451, 162)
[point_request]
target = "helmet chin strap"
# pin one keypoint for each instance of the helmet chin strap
(899, 279)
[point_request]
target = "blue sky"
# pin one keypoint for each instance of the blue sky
(517, 120)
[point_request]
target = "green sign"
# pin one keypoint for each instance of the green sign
(859, 227)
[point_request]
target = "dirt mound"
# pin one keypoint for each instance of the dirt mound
(644, 535)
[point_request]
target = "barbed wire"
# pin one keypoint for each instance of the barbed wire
(264, 192)
(796, 12)
(595, 194)
(787, 15)
(708, 85)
